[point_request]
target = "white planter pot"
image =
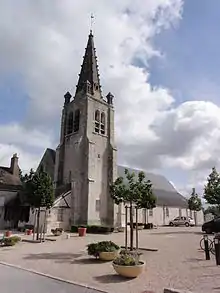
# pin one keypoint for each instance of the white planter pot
(110, 255)
(129, 271)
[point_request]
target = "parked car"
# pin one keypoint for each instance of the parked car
(212, 226)
(182, 221)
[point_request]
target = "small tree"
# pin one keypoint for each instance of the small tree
(38, 191)
(194, 203)
(134, 192)
(214, 210)
(212, 189)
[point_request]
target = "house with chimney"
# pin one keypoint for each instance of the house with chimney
(11, 210)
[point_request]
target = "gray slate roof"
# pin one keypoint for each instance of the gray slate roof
(165, 192)
(7, 178)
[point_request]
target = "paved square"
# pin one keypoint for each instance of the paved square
(178, 263)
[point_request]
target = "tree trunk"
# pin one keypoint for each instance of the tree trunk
(195, 218)
(126, 227)
(136, 228)
(38, 223)
(131, 227)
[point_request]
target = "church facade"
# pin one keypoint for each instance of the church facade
(85, 158)
(84, 163)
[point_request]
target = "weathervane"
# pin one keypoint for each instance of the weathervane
(92, 22)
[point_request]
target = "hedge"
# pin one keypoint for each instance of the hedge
(134, 224)
(93, 229)
(146, 226)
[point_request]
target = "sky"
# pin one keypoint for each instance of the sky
(160, 59)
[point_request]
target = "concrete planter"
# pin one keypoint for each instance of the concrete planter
(109, 255)
(129, 271)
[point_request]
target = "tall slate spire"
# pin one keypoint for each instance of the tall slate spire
(89, 76)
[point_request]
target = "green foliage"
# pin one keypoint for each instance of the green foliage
(92, 249)
(194, 202)
(136, 190)
(128, 259)
(134, 253)
(214, 210)
(104, 246)
(212, 188)
(38, 189)
(38, 192)
(11, 241)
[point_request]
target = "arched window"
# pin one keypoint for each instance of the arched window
(76, 120)
(70, 123)
(97, 121)
(103, 123)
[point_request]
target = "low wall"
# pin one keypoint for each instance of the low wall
(175, 291)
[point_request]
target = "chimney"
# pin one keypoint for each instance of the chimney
(14, 168)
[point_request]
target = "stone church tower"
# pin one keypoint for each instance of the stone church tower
(86, 154)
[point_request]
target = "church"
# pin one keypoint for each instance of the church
(84, 163)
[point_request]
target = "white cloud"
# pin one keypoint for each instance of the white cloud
(15, 134)
(27, 160)
(45, 48)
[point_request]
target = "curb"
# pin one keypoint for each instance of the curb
(51, 277)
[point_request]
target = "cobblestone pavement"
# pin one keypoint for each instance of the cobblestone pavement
(178, 263)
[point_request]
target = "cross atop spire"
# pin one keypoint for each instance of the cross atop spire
(92, 22)
(89, 76)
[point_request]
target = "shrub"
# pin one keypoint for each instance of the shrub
(26, 227)
(107, 246)
(11, 241)
(131, 253)
(93, 249)
(134, 224)
(127, 259)
(57, 231)
(103, 246)
(148, 226)
(94, 229)
(29, 227)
